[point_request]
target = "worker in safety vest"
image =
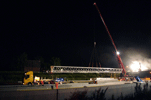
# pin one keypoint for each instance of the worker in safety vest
(42, 82)
(56, 85)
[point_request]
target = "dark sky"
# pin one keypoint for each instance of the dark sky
(66, 29)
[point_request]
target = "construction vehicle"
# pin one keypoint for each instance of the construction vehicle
(116, 51)
(59, 80)
(30, 79)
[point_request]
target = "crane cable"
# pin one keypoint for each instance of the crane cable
(94, 52)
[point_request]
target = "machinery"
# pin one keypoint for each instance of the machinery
(59, 80)
(30, 79)
(116, 51)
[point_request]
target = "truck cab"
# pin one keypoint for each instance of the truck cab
(28, 79)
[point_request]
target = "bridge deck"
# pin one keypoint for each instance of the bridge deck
(74, 69)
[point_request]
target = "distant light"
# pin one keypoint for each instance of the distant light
(135, 66)
(117, 53)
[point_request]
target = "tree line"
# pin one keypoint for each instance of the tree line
(18, 63)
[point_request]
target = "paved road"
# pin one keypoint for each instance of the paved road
(48, 86)
(115, 90)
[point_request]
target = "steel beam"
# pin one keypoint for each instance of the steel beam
(74, 69)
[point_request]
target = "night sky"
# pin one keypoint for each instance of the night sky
(68, 29)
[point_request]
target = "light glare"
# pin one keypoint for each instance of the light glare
(117, 53)
(135, 66)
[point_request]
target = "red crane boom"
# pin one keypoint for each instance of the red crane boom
(118, 56)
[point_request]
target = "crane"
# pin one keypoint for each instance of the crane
(116, 51)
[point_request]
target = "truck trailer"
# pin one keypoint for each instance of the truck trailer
(30, 79)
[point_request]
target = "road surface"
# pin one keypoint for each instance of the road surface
(40, 92)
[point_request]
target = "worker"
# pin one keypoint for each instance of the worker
(56, 85)
(42, 82)
(52, 86)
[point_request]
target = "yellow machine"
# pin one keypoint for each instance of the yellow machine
(28, 79)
